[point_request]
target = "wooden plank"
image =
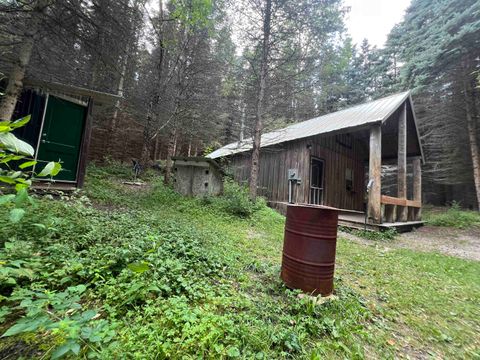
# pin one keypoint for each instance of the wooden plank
(393, 200)
(87, 134)
(414, 203)
(375, 174)
(390, 200)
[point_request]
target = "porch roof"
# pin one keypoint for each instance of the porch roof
(354, 117)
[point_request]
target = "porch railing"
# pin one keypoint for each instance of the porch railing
(393, 209)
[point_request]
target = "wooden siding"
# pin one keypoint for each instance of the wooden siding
(340, 152)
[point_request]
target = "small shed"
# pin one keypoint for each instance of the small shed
(197, 176)
(60, 127)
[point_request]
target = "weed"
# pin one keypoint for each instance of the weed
(382, 235)
(176, 277)
(454, 217)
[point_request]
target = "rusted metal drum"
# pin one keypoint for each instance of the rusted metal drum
(309, 248)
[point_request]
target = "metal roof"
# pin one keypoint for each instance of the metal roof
(98, 96)
(355, 116)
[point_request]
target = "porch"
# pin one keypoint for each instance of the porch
(356, 220)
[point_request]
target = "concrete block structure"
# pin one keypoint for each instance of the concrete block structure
(197, 176)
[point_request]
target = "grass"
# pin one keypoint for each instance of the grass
(173, 277)
(384, 235)
(453, 216)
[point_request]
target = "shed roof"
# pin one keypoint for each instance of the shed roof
(196, 160)
(356, 116)
(98, 96)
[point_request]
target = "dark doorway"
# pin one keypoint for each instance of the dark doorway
(317, 167)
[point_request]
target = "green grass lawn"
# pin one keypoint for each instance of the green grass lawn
(147, 274)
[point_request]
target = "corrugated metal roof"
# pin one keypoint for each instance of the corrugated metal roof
(368, 113)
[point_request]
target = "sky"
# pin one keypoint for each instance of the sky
(373, 19)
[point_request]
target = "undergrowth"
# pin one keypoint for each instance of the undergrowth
(454, 217)
(149, 273)
(139, 272)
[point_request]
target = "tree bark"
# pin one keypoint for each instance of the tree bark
(472, 135)
(375, 175)
(257, 135)
(402, 211)
(417, 185)
(172, 144)
(17, 74)
(151, 123)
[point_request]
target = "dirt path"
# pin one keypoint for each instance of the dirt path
(460, 243)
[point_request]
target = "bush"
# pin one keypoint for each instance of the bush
(236, 200)
(454, 217)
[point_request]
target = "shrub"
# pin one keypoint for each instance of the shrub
(454, 217)
(236, 200)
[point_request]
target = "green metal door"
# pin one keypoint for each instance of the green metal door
(61, 136)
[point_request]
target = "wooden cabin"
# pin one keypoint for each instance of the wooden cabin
(60, 127)
(336, 160)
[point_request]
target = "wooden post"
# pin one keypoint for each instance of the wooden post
(374, 174)
(402, 211)
(417, 186)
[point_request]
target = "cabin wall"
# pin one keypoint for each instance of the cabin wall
(274, 164)
(341, 152)
(276, 160)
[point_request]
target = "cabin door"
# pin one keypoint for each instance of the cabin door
(61, 136)
(317, 167)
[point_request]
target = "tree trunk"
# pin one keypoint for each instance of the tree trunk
(172, 144)
(374, 210)
(242, 124)
(147, 141)
(402, 211)
(151, 123)
(121, 84)
(15, 80)
(257, 135)
(472, 135)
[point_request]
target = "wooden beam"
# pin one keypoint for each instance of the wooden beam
(87, 133)
(375, 172)
(417, 186)
(402, 211)
(390, 200)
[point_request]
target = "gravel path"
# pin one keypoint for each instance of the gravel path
(461, 243)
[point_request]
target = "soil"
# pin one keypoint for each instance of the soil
(461, 243)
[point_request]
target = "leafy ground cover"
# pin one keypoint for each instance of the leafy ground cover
(453, 216)
(142, 272)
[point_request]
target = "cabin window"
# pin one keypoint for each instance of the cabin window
(349, 179)
(206, 172)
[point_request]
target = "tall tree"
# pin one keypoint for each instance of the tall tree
(439, 44)
(22, 27)
(290, 47)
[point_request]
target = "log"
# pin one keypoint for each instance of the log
(402, 211)
(417, 187)
(375, 172)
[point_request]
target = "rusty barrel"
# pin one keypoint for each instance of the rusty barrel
(309, 248)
